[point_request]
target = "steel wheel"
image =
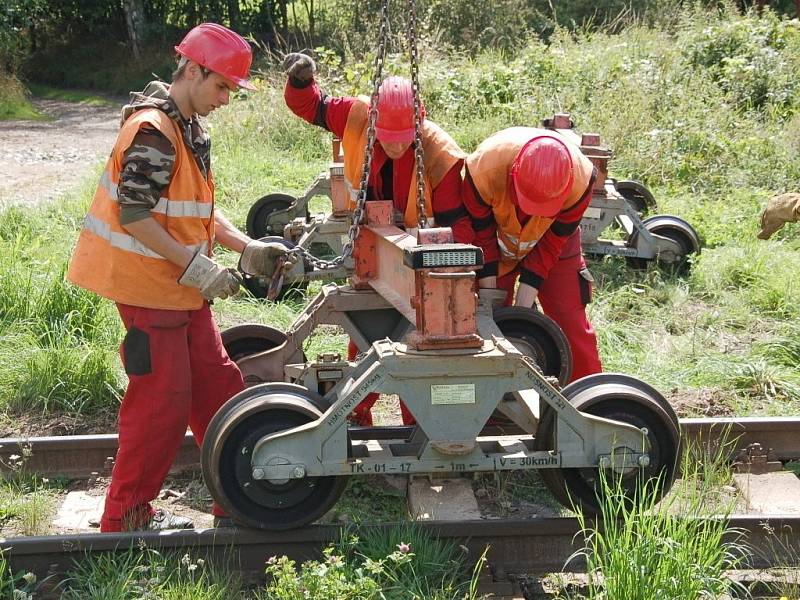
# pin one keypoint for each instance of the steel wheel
(637, 195)
(258, 286)
(673, 228)
(536, 335)
(258, 222)
(227, 450)
(621, 398)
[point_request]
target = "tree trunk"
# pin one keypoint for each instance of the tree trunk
(233, 14)
(282, 6)
(309, 6)
(134, 20)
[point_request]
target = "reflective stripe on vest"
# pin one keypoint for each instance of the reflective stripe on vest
(517, 249)
(110, 262)
(440, 150)
(123, 241)
(164, 206)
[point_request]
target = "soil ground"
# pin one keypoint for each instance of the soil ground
(40, 160)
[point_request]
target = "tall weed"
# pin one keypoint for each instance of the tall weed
(677, 549)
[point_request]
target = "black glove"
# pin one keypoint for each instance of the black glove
(299, 66)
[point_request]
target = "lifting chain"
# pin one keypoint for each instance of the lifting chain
(419, 162)
(361, 199)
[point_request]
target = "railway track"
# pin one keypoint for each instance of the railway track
(79, 456)
(528, 546)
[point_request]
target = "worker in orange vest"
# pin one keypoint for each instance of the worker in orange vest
(392, 175)
(526, 190)
(146, 244)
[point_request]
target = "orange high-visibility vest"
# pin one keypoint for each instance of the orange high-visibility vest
(490, 169)
(440, 151)
(112, 263)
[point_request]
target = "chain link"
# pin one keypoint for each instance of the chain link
(419, 159)
(361, 199)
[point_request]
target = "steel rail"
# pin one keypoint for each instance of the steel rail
(81, 455)
(533, 547)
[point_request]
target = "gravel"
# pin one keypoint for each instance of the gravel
(41, 160)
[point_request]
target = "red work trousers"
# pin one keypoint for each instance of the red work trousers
(179, 374)
(363, 412)
(564, 296)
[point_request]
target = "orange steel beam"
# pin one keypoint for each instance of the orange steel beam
(430, 281)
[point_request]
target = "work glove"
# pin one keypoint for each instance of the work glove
(300, 66)
(259, 259)
(212, 280)
(781, 209)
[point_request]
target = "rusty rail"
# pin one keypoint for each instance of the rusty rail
(80, 456)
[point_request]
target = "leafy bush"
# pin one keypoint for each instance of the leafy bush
(748, 59)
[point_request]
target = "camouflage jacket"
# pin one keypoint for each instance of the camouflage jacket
(147, 164)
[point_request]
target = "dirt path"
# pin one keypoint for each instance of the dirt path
(40, 160)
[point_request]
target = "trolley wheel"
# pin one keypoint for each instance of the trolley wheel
(673, 228)
(245, 340)
(621, 398)
(258, 286)
(536, 335)
(637, 195)
(242, 341)
(257, 224)
(227, 450)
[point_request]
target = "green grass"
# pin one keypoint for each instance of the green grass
(712, 140)
(70, 95)
(366, 500)
(401, 563)
(147, 573)
(673, 549)
(14, 102)
(27, 501)
(359, 567)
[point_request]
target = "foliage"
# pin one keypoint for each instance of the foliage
(752, 60)
(656, 98)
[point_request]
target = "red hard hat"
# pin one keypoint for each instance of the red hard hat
(220, 50)
(396, 111)
(542, 176)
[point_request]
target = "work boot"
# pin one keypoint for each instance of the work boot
(165, 520)
(223, 522)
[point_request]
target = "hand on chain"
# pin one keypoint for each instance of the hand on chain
(259, 258)
(211, 279)
(300, 66)
(780, 210)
